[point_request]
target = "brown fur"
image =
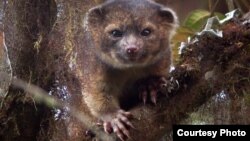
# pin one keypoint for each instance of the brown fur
(107, 72)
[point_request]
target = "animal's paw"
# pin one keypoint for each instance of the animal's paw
(119, 123)
(149, 88)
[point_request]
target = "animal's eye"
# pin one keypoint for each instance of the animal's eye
(146, 32)
(116, 33)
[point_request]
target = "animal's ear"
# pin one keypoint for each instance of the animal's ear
(168, 15)
(96, 15)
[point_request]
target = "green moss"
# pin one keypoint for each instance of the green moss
(247, 97)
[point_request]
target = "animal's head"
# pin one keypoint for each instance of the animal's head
(131, 33)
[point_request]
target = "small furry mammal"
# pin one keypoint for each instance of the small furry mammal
(128, 41)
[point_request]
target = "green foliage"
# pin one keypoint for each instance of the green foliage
(197, 18)
(193, 23)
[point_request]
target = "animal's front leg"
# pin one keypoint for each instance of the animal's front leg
(106, 108)
(118, 122)
(149, 88)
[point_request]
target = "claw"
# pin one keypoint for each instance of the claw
(119, 132)
(153, 95)
(144, 97)
(121, 137)
(151, 86)
(125, 114)
(130, 125)
(118, 123)
(143, 94)
(107, 127)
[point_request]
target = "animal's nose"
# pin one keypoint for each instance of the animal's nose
(132, 50)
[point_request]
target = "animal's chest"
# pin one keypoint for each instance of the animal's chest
(126, 84)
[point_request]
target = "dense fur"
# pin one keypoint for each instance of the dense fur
(129, 41)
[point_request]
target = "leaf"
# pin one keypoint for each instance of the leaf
(219, 15)
(182, 34)
(196, 19)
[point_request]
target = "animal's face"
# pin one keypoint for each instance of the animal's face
(131, 33)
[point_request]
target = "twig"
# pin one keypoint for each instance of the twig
(41, 95)
(212, 10)
(230, 5)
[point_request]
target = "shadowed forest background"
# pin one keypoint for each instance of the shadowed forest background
(40, 49)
